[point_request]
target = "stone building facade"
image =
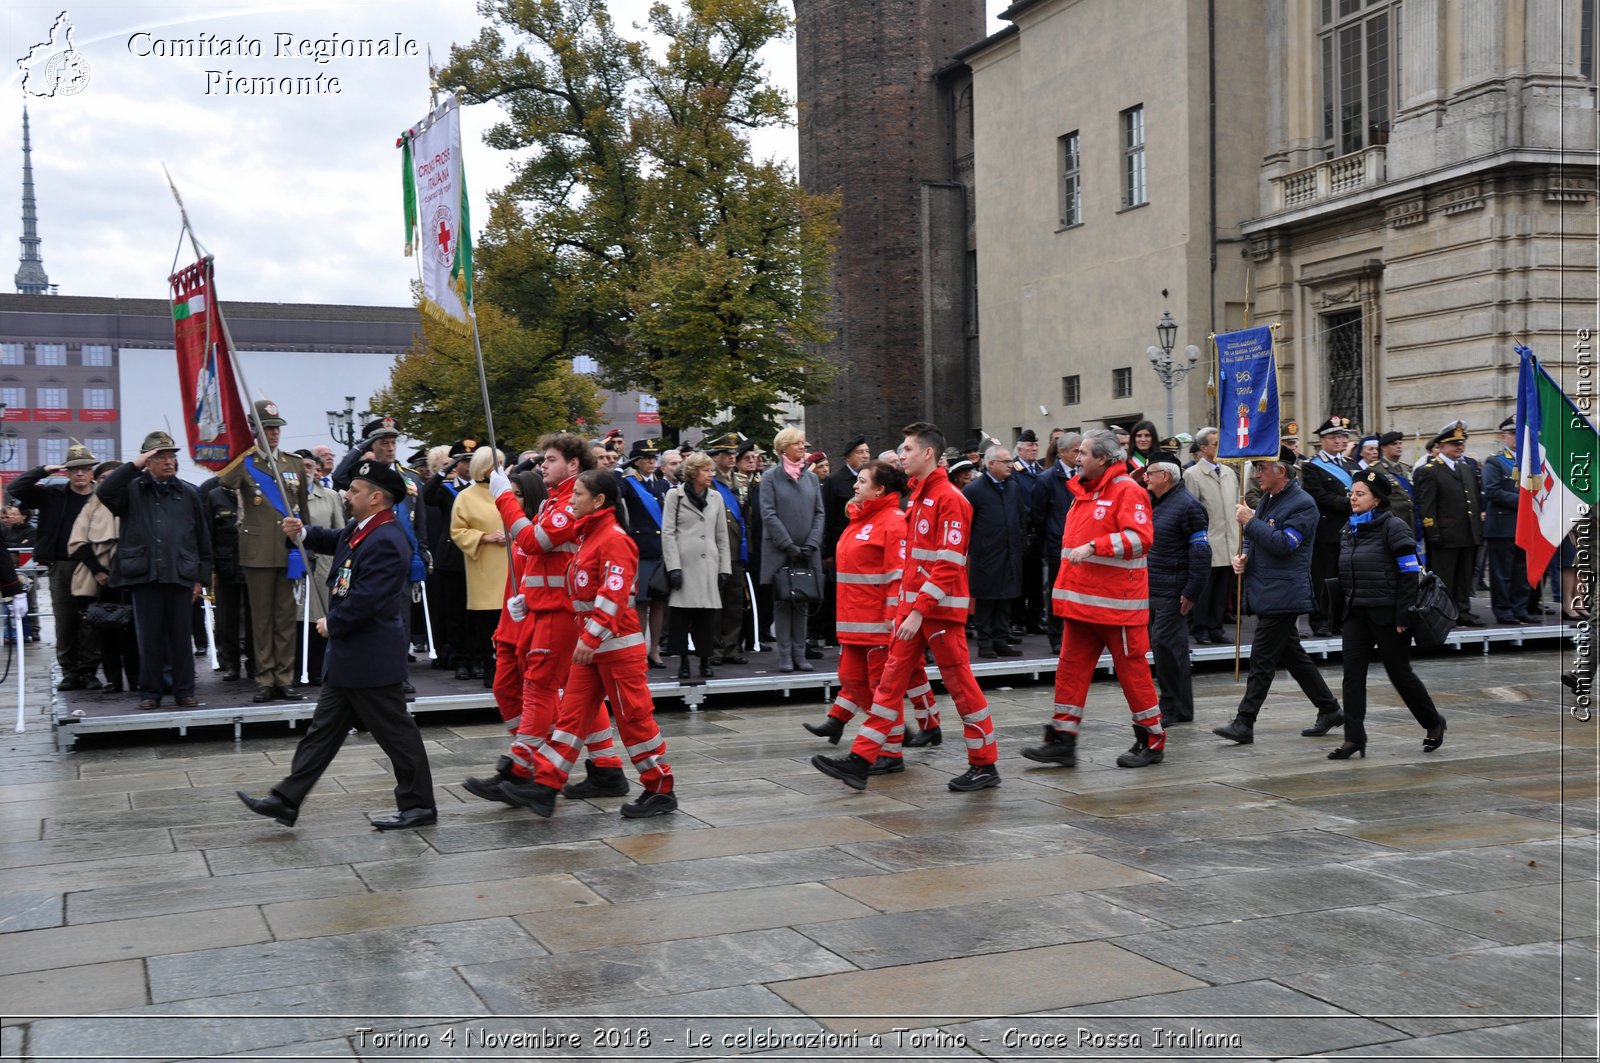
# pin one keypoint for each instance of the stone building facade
(1427, 200)
(877, 126)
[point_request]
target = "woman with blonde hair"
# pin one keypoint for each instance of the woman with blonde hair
(479, 533)
(791, 524)
(694, 547)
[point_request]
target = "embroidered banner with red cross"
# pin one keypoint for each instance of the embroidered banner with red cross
(218, 429)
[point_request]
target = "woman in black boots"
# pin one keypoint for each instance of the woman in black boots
(1378, 575)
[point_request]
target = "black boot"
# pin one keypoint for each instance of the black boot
(489, 789)
(683, 669)
(705, 669)
(928, 736)
(1326, 721)
(534, 796)
(600, 782)
(850, 769)
(1147, 749)
(1058, 748)
(1241, 731)
(832, 728)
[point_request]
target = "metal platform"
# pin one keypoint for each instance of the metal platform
(229, 704)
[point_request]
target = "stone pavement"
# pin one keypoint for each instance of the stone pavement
(1247, 903)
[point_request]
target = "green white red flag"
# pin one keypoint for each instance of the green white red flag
(438, 229)
(1557, 451)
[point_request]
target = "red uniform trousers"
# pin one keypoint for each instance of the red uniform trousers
(551, 642)
(1081, 644)
(923, 704)
(860, 671)
(508, 683)
(948, 641)
(619, 677)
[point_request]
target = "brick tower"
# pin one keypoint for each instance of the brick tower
(876, 126)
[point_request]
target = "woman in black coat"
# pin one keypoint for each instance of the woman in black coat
(1378, 576)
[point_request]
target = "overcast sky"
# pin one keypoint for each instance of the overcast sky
(297, 197)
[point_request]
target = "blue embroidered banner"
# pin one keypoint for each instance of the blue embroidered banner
(1247, 372)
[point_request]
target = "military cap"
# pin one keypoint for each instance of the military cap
(105, 467)
(1377, 482)
(1117, 428)
(1365, 440)
(1028, 436)
(418, 457)
(746, 446)
(267, 413)
(1335, 425)
(78, 457)
(382, 475)
(643, 448)
(1171, 443)
(857, 440)
(158, 441)
(463, 448)
(1287, 456)
(727, 443)
(1509, 424)
(306, 454)
(1391, 437)
(961, 466)
(1289, 430)
(816, 456)
(1453, 433)
(379, 427)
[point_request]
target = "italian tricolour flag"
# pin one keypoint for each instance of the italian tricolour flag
(1557, 452)
(195, 304)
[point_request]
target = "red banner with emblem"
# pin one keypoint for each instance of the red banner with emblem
(217, 425)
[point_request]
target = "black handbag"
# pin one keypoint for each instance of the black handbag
(1431, 620)
(660, 585)
(109, 615)
(796, 583)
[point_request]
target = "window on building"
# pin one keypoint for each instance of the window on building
(1587, 41)
(972, 293)
(98, 398)
(14, 454)
(11, 354)
(102, 447)
(1122, 383)
(53, 398)
(14, 398)
(1344, 356)
(53, 450)
(584, 363)
(50, 354)
(96, 354)
(1071, 391)
(1133, 177)
(1071, 181)
(1360, 71)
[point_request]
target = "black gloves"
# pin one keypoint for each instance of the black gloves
(723, 579)
(675, 579)
(794, 553)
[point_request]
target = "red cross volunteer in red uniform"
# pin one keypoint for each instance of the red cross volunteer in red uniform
(934, 603)
(1103, 588)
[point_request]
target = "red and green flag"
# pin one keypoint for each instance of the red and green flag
(1557, 452)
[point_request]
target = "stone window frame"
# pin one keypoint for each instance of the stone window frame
(1069, 184)
(1071, 390)
(1135, 172)
(1343, 25)
(1122, 382)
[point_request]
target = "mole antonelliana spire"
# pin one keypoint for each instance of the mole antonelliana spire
(31, 278)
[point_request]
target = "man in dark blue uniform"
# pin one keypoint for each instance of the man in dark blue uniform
(365, 665)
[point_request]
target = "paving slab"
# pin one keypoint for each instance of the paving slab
(1514, 1042)
(69, 850)
(1362, 778)
(1255, 894)
(970, 812)
(84, 990)
(1490, 867)
(443, 869)
(198, 894)
(116, 871)
(1225, 856)
(968, 930)
(980, 986)
(1429, 994)
(73, 786)
(641, 972)
(975, 846)
(514, 831)
(276, 964)
(1000, 880)
(756, 838)
(1465, 830)
(14, 813)
(719, 873)
(674, 918)
(1281, 946)
(425, 905)
(1517, 916)
(74, 946)
(284, 849)
(30, 911)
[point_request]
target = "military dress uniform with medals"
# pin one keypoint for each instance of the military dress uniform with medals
(273, 567)
(1327, 479)
(409, 512)
(1449, 499)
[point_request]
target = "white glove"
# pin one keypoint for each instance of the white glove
(499, 483)
(19, 606)
(517, 606)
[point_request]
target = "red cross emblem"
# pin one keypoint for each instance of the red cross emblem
(444, 238)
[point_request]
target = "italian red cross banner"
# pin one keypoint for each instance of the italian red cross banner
(438, 230)
(217, 425)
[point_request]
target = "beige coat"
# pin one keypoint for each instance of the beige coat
(98, 527)
(472, 517)
(324, 509)
(1219, 493)
(696, 542)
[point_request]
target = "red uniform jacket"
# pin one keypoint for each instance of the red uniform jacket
(869, 558)
(600, 585)
(938, 522)
(1111, 587)
(509, 630)
(550, 543)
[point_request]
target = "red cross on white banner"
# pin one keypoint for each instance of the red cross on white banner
(1244, 430)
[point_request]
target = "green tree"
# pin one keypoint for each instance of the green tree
(639, 228)
(435, 392)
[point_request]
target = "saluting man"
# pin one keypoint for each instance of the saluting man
(271, 486)
(365, 667)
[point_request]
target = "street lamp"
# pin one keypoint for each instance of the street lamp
(1161, 360)
(342, 424)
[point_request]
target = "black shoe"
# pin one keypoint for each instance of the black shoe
(1170, 721)
(536, 797)
(1435, 737)
(650, 804)
(405, 686)
(1059, 748)
(1007, 651)
(851, 769)
(705, 669)
(272, 806)
(831, 728)
(683, 669)
(187, 703)
(70, 682)
(1239, 731)
(112, 687)
(1055, 647)
(1326, 721)
(149, 704)
(887, 766)
(1013, 640)
(813, 655)
(976, 777)
(1526, 618)
(1202, 638)
(655, 664)
(463, 671)
(1347, 750)
(489, 789)
(411, 817)
(600, 782)
(737, 658)
(987, 653)
(1319, 631)
(231, 675)
(1471, 620)
(288, 694)
(1142, 754)
(928, 736)
(262, 695)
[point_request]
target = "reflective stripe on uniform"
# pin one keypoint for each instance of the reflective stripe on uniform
(543, 581)
(1135, 544)
(1097, 600)
(1113, 562)
(869, 578)
(605, 605)
(626, 641)
(881, 628)
(649, 745)
(883, 711)
(956, 603)
(518, 525)
(543, 538)
(566, 738)
(931, 589)
(953, 556)
(595, 628)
